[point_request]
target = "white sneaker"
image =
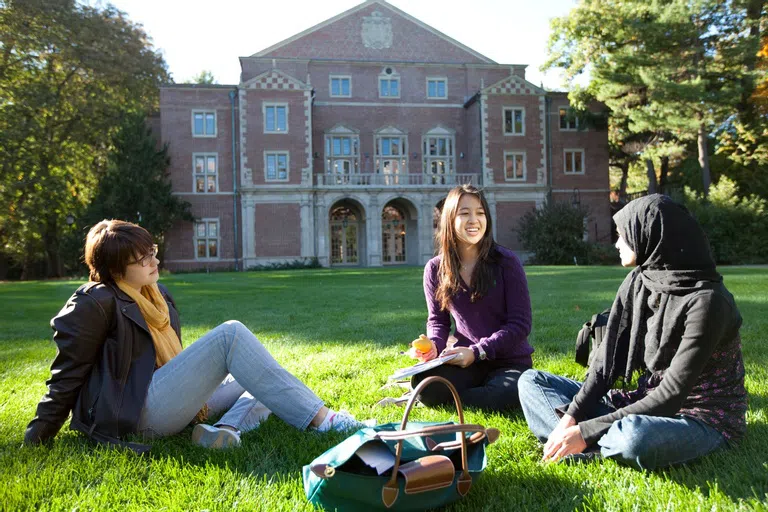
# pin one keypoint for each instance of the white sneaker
(343, 421)
(214, 437)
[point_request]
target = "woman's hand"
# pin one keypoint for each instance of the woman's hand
(423, 356)
(565, 440)
(465, 358)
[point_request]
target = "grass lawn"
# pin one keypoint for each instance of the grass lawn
(340, 331)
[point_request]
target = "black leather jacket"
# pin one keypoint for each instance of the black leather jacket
(103, 366)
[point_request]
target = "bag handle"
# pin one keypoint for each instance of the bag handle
(390, 491)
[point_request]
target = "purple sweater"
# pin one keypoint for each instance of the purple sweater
(499, 322)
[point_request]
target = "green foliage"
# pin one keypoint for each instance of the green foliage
(736, 226)
(204, 77)
(671, 72)
(340, 331)
(67, 73)
(136, 186)
(288, 265)
(555, 234)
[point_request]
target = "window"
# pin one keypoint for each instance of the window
(568, 121)
(391, 155)
(438, 156)
(207, 239)
(275, 166)
(574, 161)
(275, 118)
(514, 166)
(206, 172)
(514, 121)
(437, 88)
(203, 123)
(341, 86)
(342, 154)
(389, 87)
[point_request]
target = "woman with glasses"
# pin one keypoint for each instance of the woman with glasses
(120, 368)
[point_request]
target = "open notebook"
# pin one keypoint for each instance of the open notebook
(421, 367)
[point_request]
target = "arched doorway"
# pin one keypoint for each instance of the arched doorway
(399, 232)
(393, 232)
(347, 230)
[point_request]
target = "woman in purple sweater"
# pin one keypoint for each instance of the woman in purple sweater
(482, 286)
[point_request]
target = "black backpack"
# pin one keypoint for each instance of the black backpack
(590, 336)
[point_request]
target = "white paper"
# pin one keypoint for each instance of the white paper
(421, 367)
(377, 456)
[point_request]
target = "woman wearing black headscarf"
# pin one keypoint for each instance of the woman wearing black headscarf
(675, 323)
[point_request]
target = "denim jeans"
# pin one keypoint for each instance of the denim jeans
(228, 368)
(644, 442)
(483, 384)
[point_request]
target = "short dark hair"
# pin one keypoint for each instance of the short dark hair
(112, 245)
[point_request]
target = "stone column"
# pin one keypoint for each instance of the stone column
(249, 228)
(426, 234)
(321, 234)
(307, 226)
(373, 231)
(490, 196)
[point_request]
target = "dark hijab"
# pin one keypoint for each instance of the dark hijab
(673, 258)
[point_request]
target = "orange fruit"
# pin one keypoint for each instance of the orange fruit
(422, 344)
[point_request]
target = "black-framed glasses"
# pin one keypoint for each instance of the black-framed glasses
(145, 260)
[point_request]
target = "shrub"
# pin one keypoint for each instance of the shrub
(288, 265)
(555, 234)
(737, 227)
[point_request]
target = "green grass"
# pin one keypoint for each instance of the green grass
(340, 331)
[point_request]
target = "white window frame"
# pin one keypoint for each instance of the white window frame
(331, 78)
(449, 160)
(205, 173)
(393, 76)
(217, 238)
(568, 127)
(574, 151)
(507, 154)
(437, 79)
(353, 157)
(215, 123)
(512, 108)
(277, 153)
(379, 157)
(265, 106)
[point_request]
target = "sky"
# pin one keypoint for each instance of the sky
(196, 35)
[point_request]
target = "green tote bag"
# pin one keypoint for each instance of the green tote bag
(423, 465)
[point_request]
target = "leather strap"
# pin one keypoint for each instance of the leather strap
(390, 490)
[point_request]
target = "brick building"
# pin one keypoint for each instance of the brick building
(340, 142)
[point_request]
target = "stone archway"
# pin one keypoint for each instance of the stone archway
(347, 233)
(399, 233)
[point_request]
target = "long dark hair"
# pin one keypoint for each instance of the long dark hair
(449, 283)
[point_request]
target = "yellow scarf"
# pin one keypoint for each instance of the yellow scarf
(154, 309)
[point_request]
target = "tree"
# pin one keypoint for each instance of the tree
(674, 69)
(67, 73)
(204, 77)
(136, 186)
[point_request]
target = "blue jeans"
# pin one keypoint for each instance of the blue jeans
(228, 368)
(644, 442)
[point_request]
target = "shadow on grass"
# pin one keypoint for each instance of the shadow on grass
(740, 472)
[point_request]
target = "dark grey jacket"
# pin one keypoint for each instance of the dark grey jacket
(103, 366)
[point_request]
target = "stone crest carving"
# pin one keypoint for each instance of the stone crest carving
(377, 31)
